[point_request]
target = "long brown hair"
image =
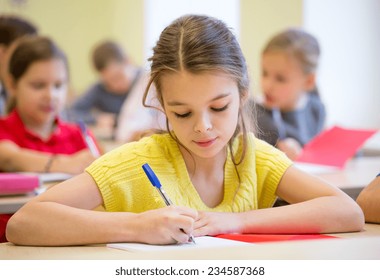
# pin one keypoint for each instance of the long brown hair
(26, 51)
(198, 44)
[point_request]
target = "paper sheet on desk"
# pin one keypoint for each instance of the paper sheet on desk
(334, 147)
(201, 242)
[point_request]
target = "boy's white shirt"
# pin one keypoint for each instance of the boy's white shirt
(134, 117)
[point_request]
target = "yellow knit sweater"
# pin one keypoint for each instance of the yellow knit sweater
(125, 187)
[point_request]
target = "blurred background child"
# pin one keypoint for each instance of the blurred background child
(291, 112)
(100, 105)
(32, 137)
(11, 28)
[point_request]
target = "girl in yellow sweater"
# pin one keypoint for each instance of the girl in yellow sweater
(219, 175)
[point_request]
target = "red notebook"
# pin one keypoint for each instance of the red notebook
(257, 238)
(335, 146)
(15, 183)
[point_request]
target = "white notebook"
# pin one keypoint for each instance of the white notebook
(200, 242)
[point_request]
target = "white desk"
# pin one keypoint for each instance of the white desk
(355, 246)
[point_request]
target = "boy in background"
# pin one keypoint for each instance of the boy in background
(11, 28)
(102, 102)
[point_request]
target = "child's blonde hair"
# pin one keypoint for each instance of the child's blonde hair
(298, 43)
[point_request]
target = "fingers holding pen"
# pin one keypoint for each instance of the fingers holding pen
(186, 226)
(167, 225)
(181, 223)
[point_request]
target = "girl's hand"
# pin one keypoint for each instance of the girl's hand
(290, 147)
(213, 223)
(172, 224)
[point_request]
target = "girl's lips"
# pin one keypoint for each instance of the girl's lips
(268, 99)
(205, 143)
(47, 109)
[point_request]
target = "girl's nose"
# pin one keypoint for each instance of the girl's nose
(265, 84)
(203, 123)
(52, 92)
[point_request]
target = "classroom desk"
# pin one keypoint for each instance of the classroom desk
(10, 204)
(360, 245)
(357, 174)
(352, 179)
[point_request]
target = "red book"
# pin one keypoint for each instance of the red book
(335, 146)
(258, 238)
(15, 183)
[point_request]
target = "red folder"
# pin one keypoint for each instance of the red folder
(15, 183)
(335, 146)
(257, 238)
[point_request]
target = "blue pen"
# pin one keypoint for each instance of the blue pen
(89, 141)
(156, 183)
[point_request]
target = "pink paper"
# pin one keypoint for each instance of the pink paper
(15, 183)
(335, 146)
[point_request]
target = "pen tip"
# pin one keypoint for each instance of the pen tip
(191, 239)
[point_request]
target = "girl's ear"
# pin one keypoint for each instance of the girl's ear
(310, 82)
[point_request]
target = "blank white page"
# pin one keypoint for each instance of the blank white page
(201, 242)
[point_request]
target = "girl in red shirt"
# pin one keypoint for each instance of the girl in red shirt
(32, 137)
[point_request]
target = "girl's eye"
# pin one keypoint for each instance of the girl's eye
(58, 85)
(281, 79)
(220, 109)
(37, 85)
(181, 116)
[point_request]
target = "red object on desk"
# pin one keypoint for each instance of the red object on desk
(258, 238)
(335, 146)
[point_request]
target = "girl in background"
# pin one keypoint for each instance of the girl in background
(32, 137)
(291, 112)
(221, 177)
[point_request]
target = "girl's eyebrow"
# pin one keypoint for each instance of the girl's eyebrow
(178, 103)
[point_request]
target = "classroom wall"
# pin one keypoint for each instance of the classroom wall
(77, 25)
(260, 20)
(348, 77)
(348, 32)
(226, 10)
